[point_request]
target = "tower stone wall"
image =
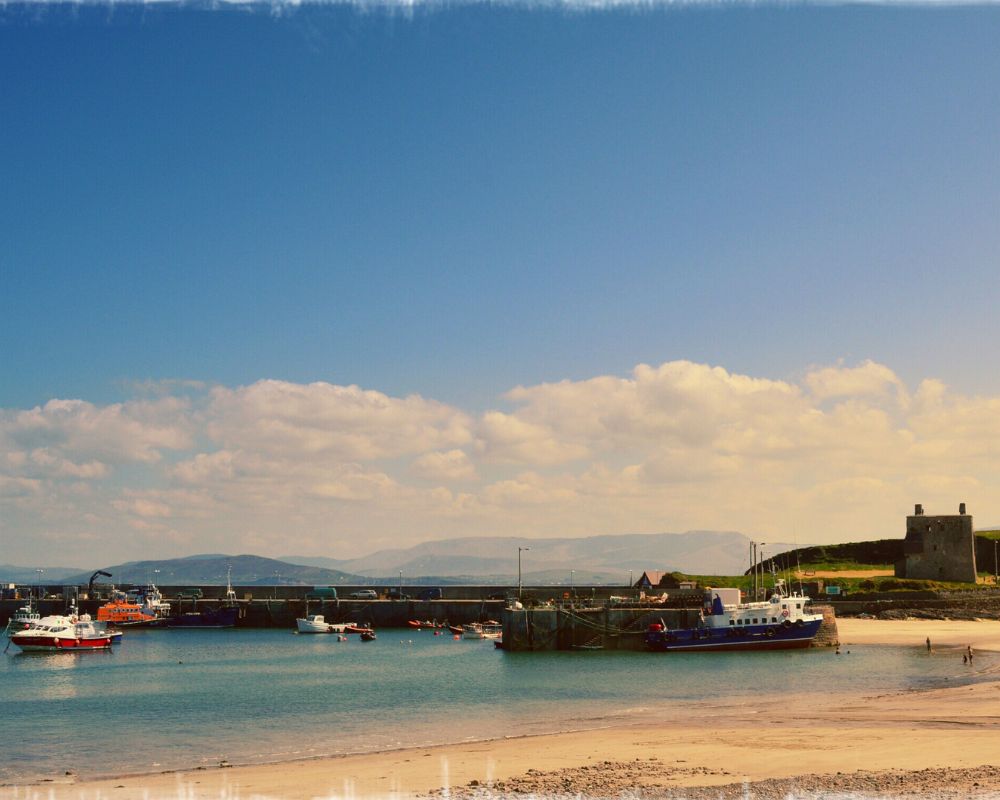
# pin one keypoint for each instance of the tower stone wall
(938, 548)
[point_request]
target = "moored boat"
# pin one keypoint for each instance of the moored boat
(23, 618)
(782, 622)
(316, 623)
(482, 630)
(64, 633)
(223, 616)
(121, 610)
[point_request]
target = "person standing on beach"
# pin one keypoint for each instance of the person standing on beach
(928, 644)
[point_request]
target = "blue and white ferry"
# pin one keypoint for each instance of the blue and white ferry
(783, 622)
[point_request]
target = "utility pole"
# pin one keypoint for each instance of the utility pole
(519, 549)
(996, 572)
(762, 590)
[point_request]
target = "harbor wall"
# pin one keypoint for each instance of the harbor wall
(280, 613)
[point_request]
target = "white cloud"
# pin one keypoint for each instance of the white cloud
(452, 465)
(137, 431)
(868, 380)
(340, 422)
(841, 453)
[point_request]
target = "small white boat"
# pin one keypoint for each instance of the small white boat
(315, 623)
(482, 630)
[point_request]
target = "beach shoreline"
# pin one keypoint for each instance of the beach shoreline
(702, 746)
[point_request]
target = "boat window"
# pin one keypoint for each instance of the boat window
(755, 620)
(774, 619)
(798, 605)
(732, 622)
(784, 605)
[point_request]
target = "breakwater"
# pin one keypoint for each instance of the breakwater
(570, 626)
(281, 613)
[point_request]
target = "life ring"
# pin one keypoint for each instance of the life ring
(784, 612)
(786, 624)
(799, 623)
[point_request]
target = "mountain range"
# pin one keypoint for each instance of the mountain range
(592, 559)
(609, 559)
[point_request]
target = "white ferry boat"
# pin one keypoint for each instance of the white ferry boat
(782, 622)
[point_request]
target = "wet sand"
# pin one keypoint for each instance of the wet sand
(937, 743)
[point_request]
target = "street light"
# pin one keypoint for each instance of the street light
(400, 585)
(572, 572)
(519, 550)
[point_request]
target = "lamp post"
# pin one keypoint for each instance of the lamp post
(630, 587)
(572, 574)
(400, 585)
(519, 550)
(996, 572)
(761, 553)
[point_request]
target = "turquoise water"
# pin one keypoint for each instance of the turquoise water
(169, 699)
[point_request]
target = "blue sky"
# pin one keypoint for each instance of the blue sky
(456, 201)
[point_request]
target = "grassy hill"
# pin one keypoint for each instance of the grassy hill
(247, 570)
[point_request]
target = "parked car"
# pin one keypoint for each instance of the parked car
(322, 592)
(364, 594)
(430, 594)
(395, 594)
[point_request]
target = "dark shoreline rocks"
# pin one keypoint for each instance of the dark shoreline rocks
(651, 780)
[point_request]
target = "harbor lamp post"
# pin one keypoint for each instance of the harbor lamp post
(519, 550)
(400, 585)
(572, 582)
(630, 587)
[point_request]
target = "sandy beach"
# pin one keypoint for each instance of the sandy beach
(943, 742)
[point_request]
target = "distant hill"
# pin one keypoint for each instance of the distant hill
(247, 570)
(593, 559)
(13, 574)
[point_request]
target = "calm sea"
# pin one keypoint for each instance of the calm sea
(169, 699)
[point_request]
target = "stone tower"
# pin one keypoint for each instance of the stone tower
(940, 548)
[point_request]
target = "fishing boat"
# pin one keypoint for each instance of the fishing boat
(482, 630)
(64, 633)
(224, 616)
(23, 618)
(316, 623)
(782, 622)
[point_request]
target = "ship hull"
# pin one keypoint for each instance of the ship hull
(216, 618)
(51, 644)
(769, 637)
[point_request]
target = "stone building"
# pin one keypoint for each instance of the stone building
(939, 548)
